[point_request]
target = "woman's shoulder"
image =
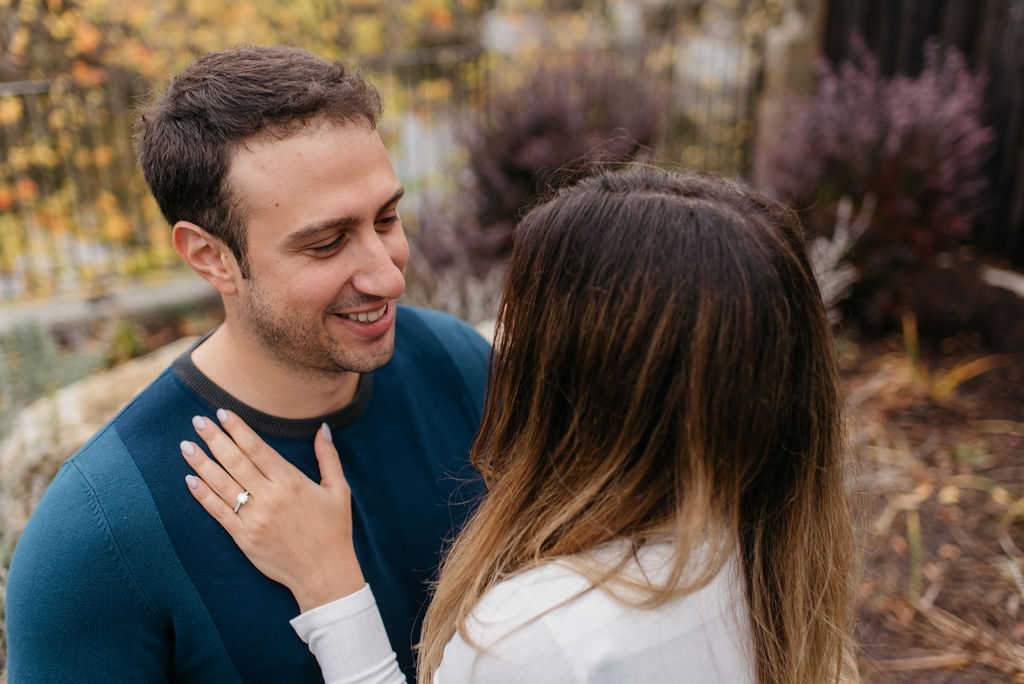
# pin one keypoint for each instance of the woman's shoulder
(563, 588)
(563, 582)
(556, 606)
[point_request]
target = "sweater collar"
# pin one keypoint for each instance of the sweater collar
(264, 423)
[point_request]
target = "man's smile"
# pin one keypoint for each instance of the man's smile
(366, 317)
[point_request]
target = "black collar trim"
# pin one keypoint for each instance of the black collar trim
(264, 423)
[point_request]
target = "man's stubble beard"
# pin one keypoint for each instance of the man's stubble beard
(302, 344)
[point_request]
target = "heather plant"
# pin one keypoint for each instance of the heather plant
(917, 144)
(535, 132)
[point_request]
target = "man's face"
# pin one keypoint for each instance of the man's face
(325, 247)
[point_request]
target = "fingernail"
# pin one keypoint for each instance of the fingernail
(188, 448)
(191, 481)
(222, 415)
(198, 422)
(327, 432)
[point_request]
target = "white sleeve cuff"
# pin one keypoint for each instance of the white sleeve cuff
(348, 639)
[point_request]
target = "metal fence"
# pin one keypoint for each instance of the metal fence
(76, 219)
(74, 213)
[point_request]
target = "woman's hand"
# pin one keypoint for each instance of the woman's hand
(295, 531)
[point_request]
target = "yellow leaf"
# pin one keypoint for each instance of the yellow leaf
(367, 35)
(1001, 496)
(44, 155)
(65, 141)
(103, 154)
(19, 41)
(116, 227)
(17, 158)
(114, 224)
(57, 119)
(10, 109)
(949, 495)
(435, 90)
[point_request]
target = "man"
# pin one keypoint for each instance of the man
(267, 163)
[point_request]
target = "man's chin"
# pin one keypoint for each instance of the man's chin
(369, 361)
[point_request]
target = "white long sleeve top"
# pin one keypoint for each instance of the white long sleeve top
(543, 625)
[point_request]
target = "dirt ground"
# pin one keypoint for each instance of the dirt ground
(939, 479)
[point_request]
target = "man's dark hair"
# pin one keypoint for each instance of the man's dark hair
(186, 136)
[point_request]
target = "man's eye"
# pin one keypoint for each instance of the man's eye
(388, 220)
(329, 247)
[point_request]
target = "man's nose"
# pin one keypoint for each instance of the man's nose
(379, 270)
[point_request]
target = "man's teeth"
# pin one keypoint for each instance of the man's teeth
(367, 317)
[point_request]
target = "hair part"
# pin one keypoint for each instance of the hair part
(663, 366)
(186, 137)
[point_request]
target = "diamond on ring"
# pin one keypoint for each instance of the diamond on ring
(241, 499)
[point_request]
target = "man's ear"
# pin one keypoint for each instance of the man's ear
(208, 256)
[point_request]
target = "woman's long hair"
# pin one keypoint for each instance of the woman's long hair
(663, 368)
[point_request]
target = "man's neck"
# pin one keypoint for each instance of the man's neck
(250, 375)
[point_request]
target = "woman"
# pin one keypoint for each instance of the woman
(661, 446)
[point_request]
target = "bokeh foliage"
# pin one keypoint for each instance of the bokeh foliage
(74, 213)
(75, 216)
(917, 145)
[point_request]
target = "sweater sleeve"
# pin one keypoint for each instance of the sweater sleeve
(75, 612)
(348, 639)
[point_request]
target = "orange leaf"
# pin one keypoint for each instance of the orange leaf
(86, 74)
(441, 18)
(27, 188)
(86, 37)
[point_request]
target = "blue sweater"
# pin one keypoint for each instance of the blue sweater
(120, 576)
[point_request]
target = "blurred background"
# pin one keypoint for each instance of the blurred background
(894, 127)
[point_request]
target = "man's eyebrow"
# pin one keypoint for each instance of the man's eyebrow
(394, 198)
(318, 227)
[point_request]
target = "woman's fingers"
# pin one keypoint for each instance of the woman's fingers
(213, 503)
(331, 474)
(218, 482)
(247, 463)
(231, 457)
(295, 531)
(270, 463)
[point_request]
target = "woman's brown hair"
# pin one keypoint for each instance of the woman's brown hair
(663, 367)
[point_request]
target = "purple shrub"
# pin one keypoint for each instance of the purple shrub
(566, 114)
(919, 145)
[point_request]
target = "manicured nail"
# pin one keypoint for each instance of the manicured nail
(222, 415)
(192, 481)
(198, 422)
(188, 448)
(327, 432)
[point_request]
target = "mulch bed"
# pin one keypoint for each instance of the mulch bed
(940, 502)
